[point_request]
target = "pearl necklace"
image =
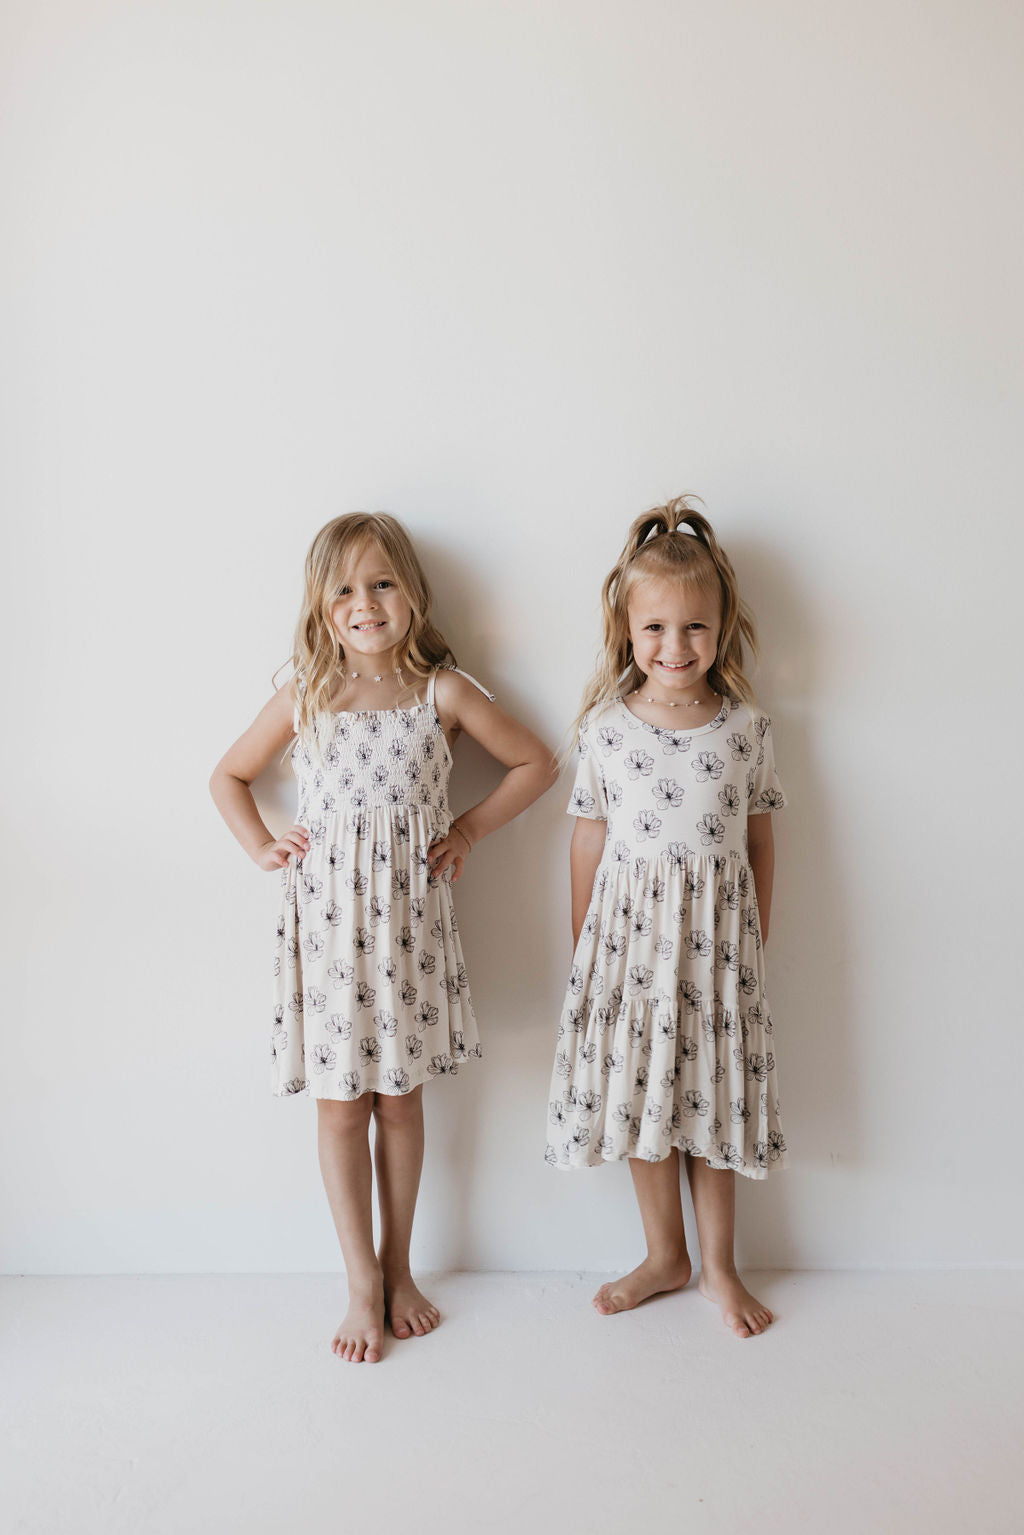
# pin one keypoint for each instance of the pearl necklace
(668, 704)
(379, 677)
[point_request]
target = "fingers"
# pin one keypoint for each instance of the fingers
(294, 843)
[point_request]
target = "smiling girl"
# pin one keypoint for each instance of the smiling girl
(665, 1044)
(371, 998)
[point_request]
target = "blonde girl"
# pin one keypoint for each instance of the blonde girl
(371, 998)
(665, 1043)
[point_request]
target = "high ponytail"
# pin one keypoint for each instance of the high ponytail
(674, 540)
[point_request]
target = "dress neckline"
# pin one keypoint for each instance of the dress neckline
(682, 730)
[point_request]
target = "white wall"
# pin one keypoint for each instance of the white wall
(512, 271)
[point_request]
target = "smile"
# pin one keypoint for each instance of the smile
(377, 623)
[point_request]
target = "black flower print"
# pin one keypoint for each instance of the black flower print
(729, 799)
(366, 996)
(413, 1047)
(638, 764)
(333, 914)
(707, 765)
(620, 852)
(340, 974)
(639, 979)
(407, 994)
(677, 853)
(370, 1052)
(738, 1111)
(357, 882)
(613, 794)
(613, 1062)
(776, 1145)
(640, 926)
(363, 942)
(663, 948)
(727, 956)
(417, 907)
(636, 1033)
(729, 895)
(378, 910)
(405, 940)
(694, 1103)
(673, 741)
(442, 1066)
(426, 964)
(575, 980)
(739, 746)
(322, 1058)
(313, 948)
(609, 740)
(587, 1053)
(646, 824)
(747, 980)
(380, 857)
(399, 883)
(710, 829)
(316, 1000)
(397, 1080)
(426, 1016)
(769, 799)
(557, 1115)
(668, 794)
(387, 970)
(386, 1024)
(698, 944)
(582, 803)
(652, 1113)
(339, 1027)
(588, 1102)
(311, 888)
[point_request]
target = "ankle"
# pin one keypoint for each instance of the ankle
(669, 1257)
(723, 1269)
(365, 1282)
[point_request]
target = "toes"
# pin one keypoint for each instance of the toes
(372, 1354)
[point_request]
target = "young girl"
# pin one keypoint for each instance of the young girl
(371, 996)
(665, 1040)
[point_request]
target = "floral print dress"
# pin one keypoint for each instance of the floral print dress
(666, 1035)
(371, 993)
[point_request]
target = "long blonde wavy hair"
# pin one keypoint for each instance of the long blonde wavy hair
(659, 547)
(318, 656)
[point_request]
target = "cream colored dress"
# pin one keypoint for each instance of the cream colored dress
(370, 988)
(666, 1036)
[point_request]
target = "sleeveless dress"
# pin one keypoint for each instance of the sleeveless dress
(666, 1035)
(370, 988)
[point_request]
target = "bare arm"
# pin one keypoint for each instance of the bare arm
(231, 780)
(585, 849)
(531, 767)
(761, 851)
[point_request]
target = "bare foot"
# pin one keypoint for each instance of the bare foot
(741, 1311)
(360, 1338)
(647, 1279)
(409, 1311)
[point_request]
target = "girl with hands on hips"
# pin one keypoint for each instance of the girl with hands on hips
(371, 997)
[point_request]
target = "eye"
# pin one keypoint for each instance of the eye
(653, 627)
(344, 591)
(384, 583)
(698, 626)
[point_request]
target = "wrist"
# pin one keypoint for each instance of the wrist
(461, 832)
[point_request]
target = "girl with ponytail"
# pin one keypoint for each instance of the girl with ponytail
(666, 1039)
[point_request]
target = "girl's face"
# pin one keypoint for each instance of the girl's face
(370, 614)
(674, 628)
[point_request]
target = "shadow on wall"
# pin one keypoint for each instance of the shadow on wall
(821, 1092)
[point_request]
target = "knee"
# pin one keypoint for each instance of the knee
(344, 1119)
(403, 1109)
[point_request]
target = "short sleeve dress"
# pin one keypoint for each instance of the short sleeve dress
(370, 987)
(666, 1036)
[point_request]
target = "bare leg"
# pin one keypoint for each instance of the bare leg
(399, 1156)
(714, 1204)
(344, 1144)
(667, 1265)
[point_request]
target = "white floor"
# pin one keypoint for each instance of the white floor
(877, 1402)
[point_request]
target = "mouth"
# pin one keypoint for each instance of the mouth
(368, 628)
(674, 666)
